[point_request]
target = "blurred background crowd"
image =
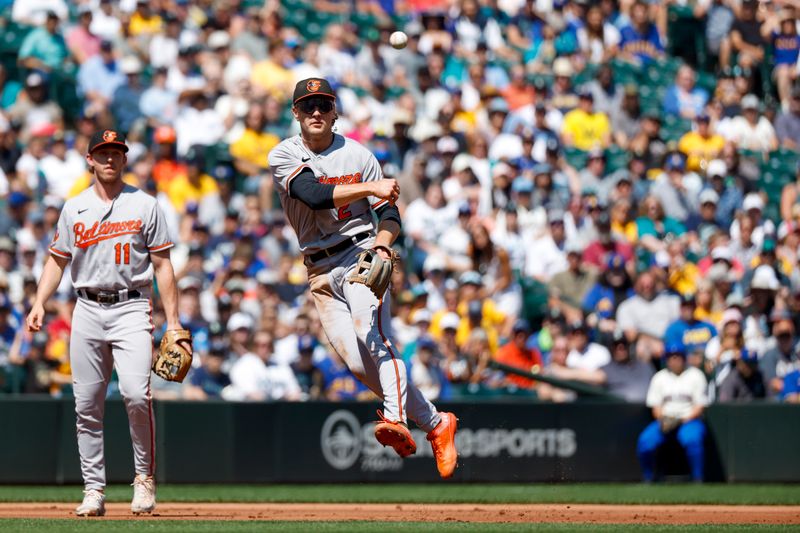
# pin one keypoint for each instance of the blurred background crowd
(587, 185)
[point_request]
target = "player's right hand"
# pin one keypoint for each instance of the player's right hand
(387, 189)
(35, 318)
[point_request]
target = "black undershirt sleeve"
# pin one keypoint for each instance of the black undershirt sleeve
(306, 188)
(389, 212)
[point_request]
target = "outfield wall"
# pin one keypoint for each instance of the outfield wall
(324, 442)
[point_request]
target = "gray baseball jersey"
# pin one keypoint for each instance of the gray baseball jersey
(345, 161)
(110, 244)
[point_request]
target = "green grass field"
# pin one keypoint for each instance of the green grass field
(372, 493)
(744, 494)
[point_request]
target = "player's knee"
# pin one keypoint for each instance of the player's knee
(365, 332)
(134, 397)
(689, 439)
(88, 416)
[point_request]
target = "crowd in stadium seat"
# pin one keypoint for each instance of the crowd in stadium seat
(584, 182)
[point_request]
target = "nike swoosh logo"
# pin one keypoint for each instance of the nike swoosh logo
(305, 159)
(82, 210)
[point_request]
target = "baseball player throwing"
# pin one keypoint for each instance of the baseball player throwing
(116, 238)
(329, 187)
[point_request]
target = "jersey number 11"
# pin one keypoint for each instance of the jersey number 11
(121, 250)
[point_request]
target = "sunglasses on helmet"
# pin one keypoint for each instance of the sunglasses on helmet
(325, 105)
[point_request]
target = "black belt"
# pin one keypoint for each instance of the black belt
(336, 248)
(109, 297)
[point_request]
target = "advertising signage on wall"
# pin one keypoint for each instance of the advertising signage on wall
(334, 442)
(346, 442)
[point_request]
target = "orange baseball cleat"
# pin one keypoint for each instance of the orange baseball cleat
(443, 442)
(396, 435)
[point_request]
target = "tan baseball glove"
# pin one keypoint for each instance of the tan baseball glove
(374, 271)
(174, 357)
(668, 423)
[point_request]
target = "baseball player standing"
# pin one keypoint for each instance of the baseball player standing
(329, 187)
(116, 238)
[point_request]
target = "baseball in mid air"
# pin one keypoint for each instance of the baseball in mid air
(398, 40)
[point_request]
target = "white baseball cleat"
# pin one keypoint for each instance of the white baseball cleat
(94, 504)
(144, 494)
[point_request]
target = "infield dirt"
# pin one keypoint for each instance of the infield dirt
(494, 513)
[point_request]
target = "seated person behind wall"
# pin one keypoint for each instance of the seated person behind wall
(625, 376)
(677, 396)
(744, 381)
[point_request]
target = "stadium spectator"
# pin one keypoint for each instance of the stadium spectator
(599, 253)
(649, 141)
(35, 13)
(684, 99)
(254, 377)
(598, 38)
(677, 189)
(126, 98)
(602, 302)
(159, 103)
(583, 354)
(782, 359)
(558, 368)
(98, 78)
(751, 130)
(653, 225)
(546, 254)
(34, 110)
(306, 370)
(780, 29)
(515, 353)
(568, 289)
(744, 382)
(81, 41)
(719, 19)
(644, 318)
(208, 380)
(728, 344)
(44, 49)
(787, 124)
(486, 183)
(61, 168)
(677, 397)
(689, 332)
(338, 383)
(583, 127)
(625, 376)
(745, 41)
(251, 148)
(426, 374)
(701, 145)
(626, 118)
(592, 177)
(640, 41)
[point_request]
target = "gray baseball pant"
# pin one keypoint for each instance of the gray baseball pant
(359, 328)
(105, 337)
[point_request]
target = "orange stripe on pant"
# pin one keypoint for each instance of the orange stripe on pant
(394, 360)
(150, 404)
(152, 431)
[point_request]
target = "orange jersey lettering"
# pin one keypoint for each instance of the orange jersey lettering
(85, 237)
(341, 180)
